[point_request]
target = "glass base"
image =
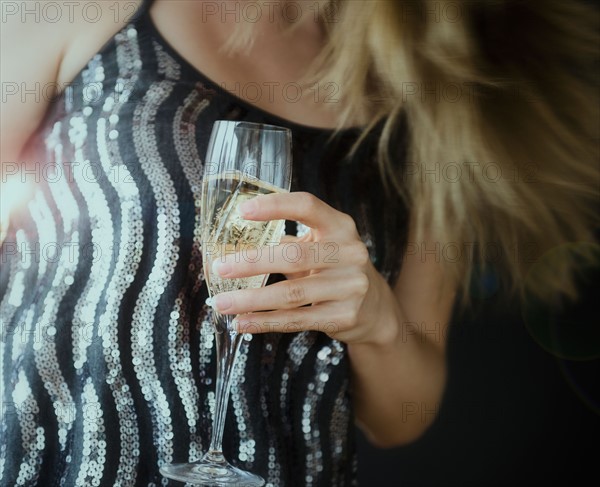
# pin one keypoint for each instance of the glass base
(211, 473)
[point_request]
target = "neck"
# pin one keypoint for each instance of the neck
(263, 24)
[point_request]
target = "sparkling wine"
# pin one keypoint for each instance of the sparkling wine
(228, 232)
(243, 160)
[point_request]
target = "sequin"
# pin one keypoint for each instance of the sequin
(162, 187)
(117, 324)
(45, 352)
(127, 258)
(94, 451)
(32, 437)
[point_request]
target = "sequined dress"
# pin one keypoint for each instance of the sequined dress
(107, 353)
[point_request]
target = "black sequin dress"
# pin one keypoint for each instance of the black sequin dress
(107, 354)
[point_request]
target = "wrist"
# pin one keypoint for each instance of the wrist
(381, 317)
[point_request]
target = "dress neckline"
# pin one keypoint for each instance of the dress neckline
(187, 66)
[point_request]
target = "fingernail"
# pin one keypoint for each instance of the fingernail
(247, 208)
(221, 268)
(222, 302)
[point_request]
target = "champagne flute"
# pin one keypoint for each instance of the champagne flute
(243, 160)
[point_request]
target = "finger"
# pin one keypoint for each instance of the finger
(290, 258)
(289, 294)
(300, 206)
(307, 237)
(292, 239)
(321, 317)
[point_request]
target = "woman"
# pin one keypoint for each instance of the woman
(108, 360)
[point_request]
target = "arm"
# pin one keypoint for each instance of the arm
(399, 378)
(43, 44)
(396, 367)
(39, 56)
(28, 78)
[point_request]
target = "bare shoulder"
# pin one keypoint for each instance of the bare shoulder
(44, 44)
(95, 22)
(59, 35)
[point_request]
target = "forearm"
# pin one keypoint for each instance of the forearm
(397, 382)
(394, 371)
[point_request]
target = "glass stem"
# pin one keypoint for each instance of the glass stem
(228, 344)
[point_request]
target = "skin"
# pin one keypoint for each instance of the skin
(398, 364)
(395, 337)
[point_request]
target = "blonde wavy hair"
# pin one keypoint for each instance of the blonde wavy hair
(509, 85)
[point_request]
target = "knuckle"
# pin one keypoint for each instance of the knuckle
(294, 294)
(331, 328)
(360, 253)
(362, 284)
(309, 202)
(347, 222)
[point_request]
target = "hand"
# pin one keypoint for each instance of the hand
(328, 268)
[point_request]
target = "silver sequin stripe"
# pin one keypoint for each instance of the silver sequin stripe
(68, 208)
(296, 351)
(167, 66)
(6, 308)
(205, 358)
(184, 137)
(42, 328)
(181, 369)
(13, 297)
(44, 345)
(94, 439)
(102, 237)
(271, 345)
(93, 460)
(340, 419)
(314, 454)
(165, 259)
(328, 357)
(11, 301)
(85, 329)
(129, 253)
(22, 329)
(85, 308)
(32, 435)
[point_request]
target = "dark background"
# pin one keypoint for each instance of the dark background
(516, 411)
(522, 403)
